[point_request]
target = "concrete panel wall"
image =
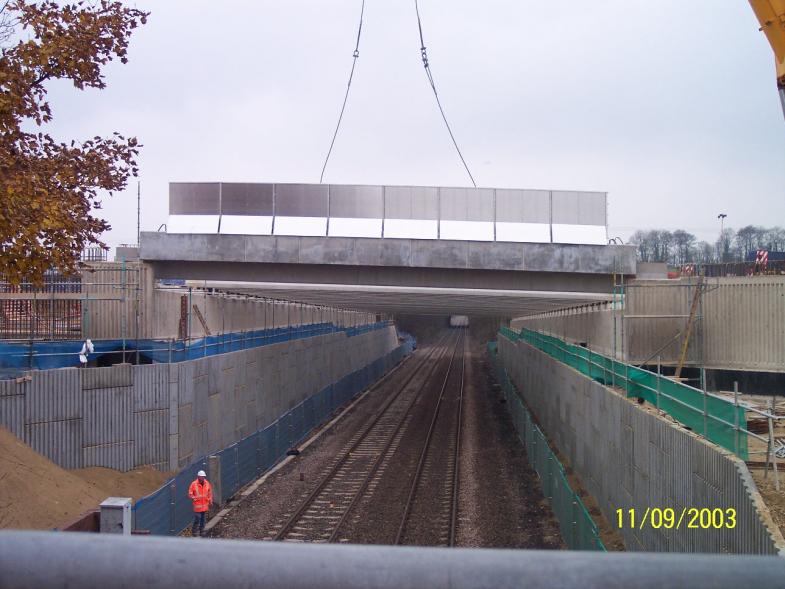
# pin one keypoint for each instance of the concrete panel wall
(166, 415)
(740, 324)
(629, 458)
(593, 325)
(226, 313)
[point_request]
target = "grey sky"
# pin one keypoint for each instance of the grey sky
(669, 105)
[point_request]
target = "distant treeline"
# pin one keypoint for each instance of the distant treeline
(682, 247)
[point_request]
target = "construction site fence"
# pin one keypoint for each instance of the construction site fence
(577, 527)
(169, 510)
(721, 421)
(15, 357)
(747, 268)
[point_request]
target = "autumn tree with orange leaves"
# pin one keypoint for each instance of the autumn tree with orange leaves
(49, 189)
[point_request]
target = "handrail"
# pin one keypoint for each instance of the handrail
(111, 561)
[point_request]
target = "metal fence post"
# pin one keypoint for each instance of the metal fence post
(237, 465)
(705, 405)
(172, 499)
(659, 368)
(772, 450)
(736, 416)
(574, 523)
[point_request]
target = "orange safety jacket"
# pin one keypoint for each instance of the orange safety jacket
(201, 495)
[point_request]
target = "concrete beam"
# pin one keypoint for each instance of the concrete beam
(388, 253)
(416, 300)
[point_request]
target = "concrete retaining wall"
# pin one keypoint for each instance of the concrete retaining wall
(629, 458)
(226, 313)
(740, 324)
(166, 415)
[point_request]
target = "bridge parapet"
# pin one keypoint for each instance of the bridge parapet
(407, 212)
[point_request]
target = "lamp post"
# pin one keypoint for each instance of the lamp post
(720, 254)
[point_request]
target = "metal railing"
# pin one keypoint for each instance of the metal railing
(34, 355)
(113, 561)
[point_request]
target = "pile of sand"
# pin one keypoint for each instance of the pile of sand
(134, 483)
(35, 493)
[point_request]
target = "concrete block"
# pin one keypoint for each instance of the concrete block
(120, 375)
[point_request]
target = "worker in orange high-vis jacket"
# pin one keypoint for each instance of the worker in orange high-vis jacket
(201, 493)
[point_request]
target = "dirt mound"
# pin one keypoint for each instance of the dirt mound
(37, 494)
(134, 483)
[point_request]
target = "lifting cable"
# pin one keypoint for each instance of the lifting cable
(355, 55)
(427, 66)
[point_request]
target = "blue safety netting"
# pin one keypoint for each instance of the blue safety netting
(64, 354)
(168, 510)
(576, 525)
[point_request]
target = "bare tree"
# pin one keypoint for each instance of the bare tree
(7, 22)
(683, 242)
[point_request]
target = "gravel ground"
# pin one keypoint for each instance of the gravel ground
(265, 510)
(500, 501)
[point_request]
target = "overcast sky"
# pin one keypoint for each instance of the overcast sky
(668, 105)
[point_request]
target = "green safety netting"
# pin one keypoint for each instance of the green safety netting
(577, 527)
(719, 420)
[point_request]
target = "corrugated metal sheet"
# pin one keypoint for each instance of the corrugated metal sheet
(60, 441)
(151, 387)
(740, 323)
(54, 395)
(746, 322)
(119, 456)
(632, 459)
(12, 406)
(108, 416)
(151, 438)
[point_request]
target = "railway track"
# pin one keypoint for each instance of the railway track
(431, 512)
(357, 468)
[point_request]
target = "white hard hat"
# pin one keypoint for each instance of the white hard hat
(201, 473)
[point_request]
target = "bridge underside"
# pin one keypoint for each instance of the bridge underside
(499, 279)
(414, 300)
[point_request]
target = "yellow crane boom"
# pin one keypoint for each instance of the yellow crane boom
(771, 15)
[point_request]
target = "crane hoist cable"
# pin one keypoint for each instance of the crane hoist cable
(355, 55)
(427, 65)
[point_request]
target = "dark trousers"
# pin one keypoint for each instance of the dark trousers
(198, 522)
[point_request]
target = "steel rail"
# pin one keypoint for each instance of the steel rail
(424, 452)
(297, 515)
(457, 457)
(375, 467)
